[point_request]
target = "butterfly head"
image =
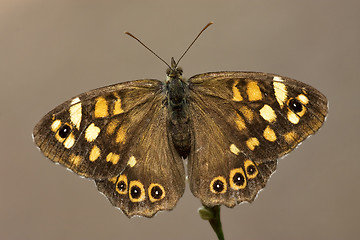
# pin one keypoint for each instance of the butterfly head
(174, 72)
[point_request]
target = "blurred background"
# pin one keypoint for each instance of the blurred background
(53, 50)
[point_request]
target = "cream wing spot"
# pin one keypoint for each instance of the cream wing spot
(91, 132)
(236, 93)
(113, 179)
(234, 149)
(75, 100)
(75, 112)
(112, 126)
(101, 108)
(69, 141)
(267, 113)
(94, 153)
(252, 143)
(113, 158)
(292, 117)
(278, 79)
(55, 125)
(303, 99)
(280, 93)
(247, 113)
(117, 105)
(121, 136)
(240, 123)
(269, 134)
(253, 91)
(132, 161)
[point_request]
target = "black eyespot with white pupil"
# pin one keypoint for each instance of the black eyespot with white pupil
(251, 169)
(156, 192)
(122, 186)
(64, 131)
(238, 179)
(295, 105)
(135, 192)
(218, 186)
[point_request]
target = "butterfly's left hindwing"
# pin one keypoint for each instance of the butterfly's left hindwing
(242, 122)
(154, 178)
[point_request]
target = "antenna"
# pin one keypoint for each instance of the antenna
(147, 48)
(192, 43)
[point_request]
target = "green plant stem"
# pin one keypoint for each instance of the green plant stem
(212, 214)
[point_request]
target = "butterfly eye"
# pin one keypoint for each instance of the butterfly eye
(295, 105)
(180, 71)
(168, 71)
(64, 131)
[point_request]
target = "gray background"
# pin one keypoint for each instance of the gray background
(51, 51)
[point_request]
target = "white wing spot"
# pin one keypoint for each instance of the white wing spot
(234, 149)
(75, 100)
(278, 79)
(132, 161)
(91, 132)
(76, 114)
(280, 93)
(268, 113)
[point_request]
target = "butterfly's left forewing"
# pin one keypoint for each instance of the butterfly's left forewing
(242, 122)
(90, 133)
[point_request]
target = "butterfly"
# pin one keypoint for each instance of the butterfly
(133, 138)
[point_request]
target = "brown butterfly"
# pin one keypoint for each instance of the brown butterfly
(132, 138)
